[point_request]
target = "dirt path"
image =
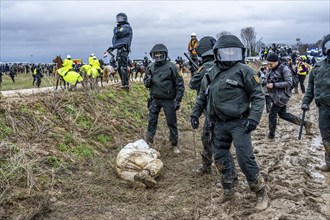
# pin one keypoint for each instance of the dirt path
(21, 92)
(93, 191)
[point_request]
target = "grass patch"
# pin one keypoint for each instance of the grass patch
(104, 138)
(24, 81)
(54, 161)
(83, 151)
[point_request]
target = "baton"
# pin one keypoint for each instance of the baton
(301, 124)
(191, 61)
(109, 52)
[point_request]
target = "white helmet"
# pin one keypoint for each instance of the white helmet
(68, 57)
(94, 57)
(193, 34)
(92, 54)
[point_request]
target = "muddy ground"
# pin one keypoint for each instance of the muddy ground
(90, 189)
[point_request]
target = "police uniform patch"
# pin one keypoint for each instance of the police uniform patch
(256, 79)
(121, 29)
(200, 69)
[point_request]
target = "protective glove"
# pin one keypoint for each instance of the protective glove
(250, 125)
(147, 81)
(194, 122)
(176, 105)
(304, 107)
(110, 49)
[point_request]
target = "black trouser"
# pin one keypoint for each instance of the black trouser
(38, 79)
(301, 82)
(268, 100)
(207, 143)
(194, 58)
(281, 112)
(168, 106)
(324, 126)
(122, 59)
(224, 134)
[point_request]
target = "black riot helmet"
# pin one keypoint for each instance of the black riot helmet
(326, 45)
(205, 46)
(228, 48)
(121, 17)
(159, 53)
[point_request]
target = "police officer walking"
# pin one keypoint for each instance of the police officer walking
(121, 40)
(319, 89)
(235, 103)
(205, 51)
(166, 91)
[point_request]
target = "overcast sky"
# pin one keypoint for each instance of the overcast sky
(39, 30)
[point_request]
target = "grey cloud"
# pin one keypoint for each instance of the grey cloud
(49, 28)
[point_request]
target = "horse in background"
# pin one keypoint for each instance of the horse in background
(138, 68)
(70, 78)
(94, 74)
(183, 69)
(84, 71)
(59, 79)
(109, 71)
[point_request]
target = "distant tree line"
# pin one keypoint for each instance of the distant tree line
(253, 46)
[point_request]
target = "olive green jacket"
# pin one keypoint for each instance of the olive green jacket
(231, 94)
(319, 84)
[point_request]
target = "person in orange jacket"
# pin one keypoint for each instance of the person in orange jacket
(192, 52)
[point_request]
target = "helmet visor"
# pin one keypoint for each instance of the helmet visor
(327, 47)
(120, 18)
(229, 54)
(158, 56)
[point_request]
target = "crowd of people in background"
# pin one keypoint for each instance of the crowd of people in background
(231, 114)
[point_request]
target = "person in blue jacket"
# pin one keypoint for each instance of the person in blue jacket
(121, 41)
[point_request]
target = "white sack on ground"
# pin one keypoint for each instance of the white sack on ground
(135, 157)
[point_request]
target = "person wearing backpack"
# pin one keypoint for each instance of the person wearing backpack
(318, 89)
(279, 85)
(166, 88)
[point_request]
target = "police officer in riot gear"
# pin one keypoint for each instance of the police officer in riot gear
(318, 89)
(166, 91)
(205, 51)
(235, 103)
(121, 40)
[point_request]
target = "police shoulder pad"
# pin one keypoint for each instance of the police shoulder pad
(200, 69)
(256, 78)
